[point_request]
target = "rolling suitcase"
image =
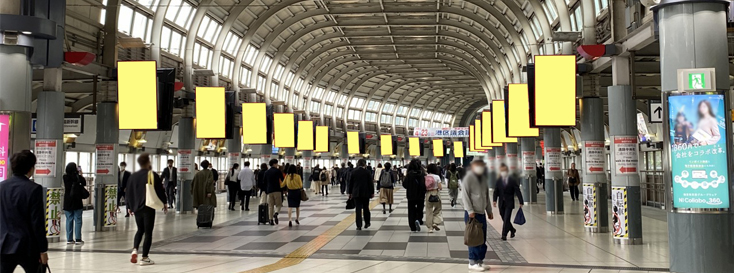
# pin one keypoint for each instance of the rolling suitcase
(205, 216)
(262, 214)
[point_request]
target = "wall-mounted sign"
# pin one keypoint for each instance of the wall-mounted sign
(626, 152)
(441, 132)
(590, 205)
(528, 160)
(698, 151)
(45, 151)
(594, 157)
(73, 124)
(185, 161)
(619, 213)
(110, 205)
(512, 162)
(4, 147)
(697, 79)
(53, 211)
(106, 157)
(232, 159)
(553, 159)
(656, 111)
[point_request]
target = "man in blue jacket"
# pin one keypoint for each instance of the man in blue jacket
(22, 218)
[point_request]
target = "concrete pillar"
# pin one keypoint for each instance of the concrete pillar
(529, 187)
(499, 159)
(186, 143)
(596, 218)
(511, 159)
(290, 155)
(307, 157)
(553, 173)
(108, 134)
(491, 167)
(624, 150)
(15, 91)
(693, 35)
(344, 154)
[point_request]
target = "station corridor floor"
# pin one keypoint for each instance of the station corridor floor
(326, 241)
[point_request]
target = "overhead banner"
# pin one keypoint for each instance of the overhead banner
(4, 147)
(619, 213)
(106, 157)
(185, 161)
(698, 152)
(590, 205)
(441, 132)
(594, 157)
(254, 122)
(458, 149)
(45, 151)
(626, 152)
(322, 139)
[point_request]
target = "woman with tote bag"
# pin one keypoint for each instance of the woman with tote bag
(144, 196)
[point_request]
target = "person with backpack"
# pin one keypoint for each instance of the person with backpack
(315, 179)
(433, 198)
(386, 186)
(74, 185)
(378, 172)
(453, 177)
(415, 191)
(324, 178)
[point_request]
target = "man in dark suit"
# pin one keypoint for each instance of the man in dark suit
(505, 189)
(122, 185)
(170, 178)
(361, 189)
(22, 218)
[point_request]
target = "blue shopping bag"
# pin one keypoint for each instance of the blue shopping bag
(519, 217)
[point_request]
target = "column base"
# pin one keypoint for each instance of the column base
(554, 212)
(628, 241)
(597, 229)
(53, 239)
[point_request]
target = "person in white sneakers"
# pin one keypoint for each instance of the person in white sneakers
(144, 216)
(477, 202)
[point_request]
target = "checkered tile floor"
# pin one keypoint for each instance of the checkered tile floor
(388, 237)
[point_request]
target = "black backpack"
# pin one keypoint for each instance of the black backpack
(386, 179)
(322, 176)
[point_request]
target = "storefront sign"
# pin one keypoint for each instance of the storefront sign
(698, 152)
(45, 151)
(441, 132)
(4, 147)
(553, 159)
(626, 152)
(619, 213)
(53, 211)
(590, 205)
(594, 157)
(106, 157)
(528, 160)
(185, 161)
(110, 205)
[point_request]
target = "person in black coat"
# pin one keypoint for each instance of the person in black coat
(73, 206)
(361, 189)
(260, 178)
(505, 190)
(415, 189)
(22, 218)
(122, 179)
(170, 179)
(136, 205)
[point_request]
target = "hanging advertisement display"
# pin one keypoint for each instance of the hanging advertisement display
(441, 132)
(4, 147)
(626, 152)
(698, 151)
(553, 159)
(619, 212)
(53, 211)
(528, 160)
(589, 205)
(185, 160)
(106, 159)
(594, 157)
(110, 205)
(45, 151)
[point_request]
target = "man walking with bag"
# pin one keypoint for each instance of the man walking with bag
(475, 197)
(505, 190)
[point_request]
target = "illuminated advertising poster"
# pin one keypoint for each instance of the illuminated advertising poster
(698, 151)
(185, 161)
(589, 205)
(619, 213)
(106, 159)
(626, 152)
(4, 147)
(594, 157)
(528, 160)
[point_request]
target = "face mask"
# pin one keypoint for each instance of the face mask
(503, 174)
(477, 169)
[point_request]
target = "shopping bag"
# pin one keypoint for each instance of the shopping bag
(473, 235)
(151, 198)
(519, 217)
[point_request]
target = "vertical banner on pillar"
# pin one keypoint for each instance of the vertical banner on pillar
(53, 211)
(490, 163)
(512, 162)
(528, 160)
(619, 212)
(185, 161)
(307, 164)
(233, 158)
(45, 151)
(553, 159)
(698, 151)
(594, 157)
(626, 151)
(289, 159)
(110, 205)
(590, 205)
(4, 147)
(105, 159)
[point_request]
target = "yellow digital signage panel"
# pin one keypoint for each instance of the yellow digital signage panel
(322, 139)
(353, 142)
(458, 149)
(414, 144)
(438, 147)
(254, 119)
(137, 95)
(210, 112)
(284, 130)
(518, 114)
(499, 131)
(555, 90)
(305, 135)
(484, 137)
(386, 144)
(479, 136)
(472, 139)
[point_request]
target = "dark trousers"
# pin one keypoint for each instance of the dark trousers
(245, 199)
(171, 192)
(362, 205)
(506, 214)
(415, 212)
(145, 220)
(324, 188)
(342, 186)
(120, 197)
(233, 192)
(574, 192)
(8, 262)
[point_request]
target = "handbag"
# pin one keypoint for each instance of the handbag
(433, 199)
(473, 234)
(519, 217)
(350, 204)
(151, 197)
(304, 196)
(43, 268)
(78, 190)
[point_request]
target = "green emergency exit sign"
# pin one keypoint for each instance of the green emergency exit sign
(696, 81)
